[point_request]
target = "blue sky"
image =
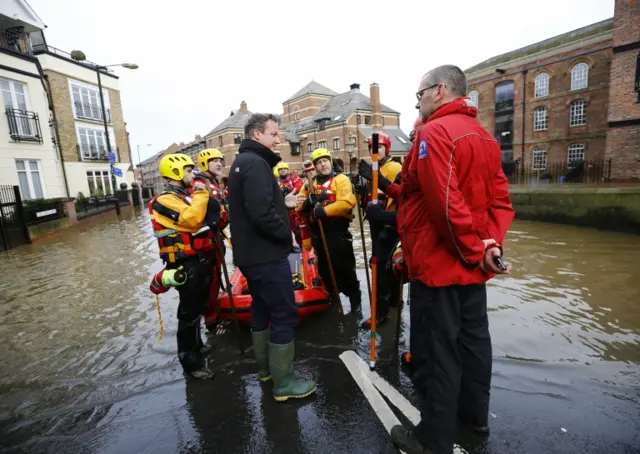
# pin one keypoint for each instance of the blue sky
(200, 59)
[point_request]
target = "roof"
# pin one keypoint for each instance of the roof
(341, 107)
(312, 88)
(547, 44)
(399, 140)
(235, 121)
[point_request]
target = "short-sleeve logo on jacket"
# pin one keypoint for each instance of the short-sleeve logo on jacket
(422, 154)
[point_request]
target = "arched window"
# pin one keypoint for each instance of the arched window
(579, 76)
(474, 97)
(542, 85)
(540, 119)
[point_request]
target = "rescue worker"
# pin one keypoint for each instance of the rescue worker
(290, 184)
(186, 242)
(210, 163)
(330, 200)
(381, 218)
(262, 242)
(454, 215)
(307, 166)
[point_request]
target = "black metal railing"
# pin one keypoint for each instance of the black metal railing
(13, 228)
(16, 39)
(559, 172)
(42, 210)
(24, 126)
(45, 48)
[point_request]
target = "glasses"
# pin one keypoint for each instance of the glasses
(419, 94)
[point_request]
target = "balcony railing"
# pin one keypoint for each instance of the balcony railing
(92, 153)
(15, 38)
(24, 126)
(45, 48)
(559, 172)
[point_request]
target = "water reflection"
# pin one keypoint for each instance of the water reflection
(79, 351)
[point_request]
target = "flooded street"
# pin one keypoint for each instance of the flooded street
(82, 369)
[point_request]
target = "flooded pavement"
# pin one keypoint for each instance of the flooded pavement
(82, 370)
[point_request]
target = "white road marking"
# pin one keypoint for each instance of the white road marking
(369, 380)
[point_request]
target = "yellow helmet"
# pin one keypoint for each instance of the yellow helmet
(275, 172)
(207, 155)
(320, 153)
(172, 165)
(282, 165)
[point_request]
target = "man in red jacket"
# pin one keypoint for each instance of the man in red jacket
(454, 213)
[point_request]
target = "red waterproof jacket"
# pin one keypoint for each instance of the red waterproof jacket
(453, 195)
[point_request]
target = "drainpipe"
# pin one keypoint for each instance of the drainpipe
(58, 142)
(524, 119)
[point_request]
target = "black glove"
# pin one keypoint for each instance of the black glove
(213, 213)
(378, 215)
(366, 172)
(285, 191)
(319, 213)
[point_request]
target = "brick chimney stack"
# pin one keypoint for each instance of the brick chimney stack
(243, 106)
(376, 108)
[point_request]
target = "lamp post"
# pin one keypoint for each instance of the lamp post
(140, 160)
(78, 55)
(351, 147)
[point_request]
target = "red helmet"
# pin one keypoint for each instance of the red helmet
(383, 139)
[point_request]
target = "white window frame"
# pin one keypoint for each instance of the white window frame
(576, 149)
(540, 119)
(99, 129)
(473, 95)
(102, 177)
(576, 114)
(336, 140)
(310, 147)
(84, 86)
(30, 179)
(541, 163)
(579, 76)
(541, 85)
(25, 129)
(322, 144)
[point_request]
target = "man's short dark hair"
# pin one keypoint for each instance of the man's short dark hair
(258, 122)
(452, 76)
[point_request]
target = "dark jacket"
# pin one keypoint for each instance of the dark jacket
(259, 218)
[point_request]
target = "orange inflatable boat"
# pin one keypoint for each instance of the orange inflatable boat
(311, 295)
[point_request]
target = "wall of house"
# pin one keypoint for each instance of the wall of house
(307, 106)
(45, 153)
(559, 135)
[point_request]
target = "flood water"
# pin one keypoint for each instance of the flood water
(81, 368)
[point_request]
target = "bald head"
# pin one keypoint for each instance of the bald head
(451, 76)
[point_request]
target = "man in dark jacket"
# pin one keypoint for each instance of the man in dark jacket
(262, 241)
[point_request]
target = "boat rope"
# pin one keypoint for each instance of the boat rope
(159, 318)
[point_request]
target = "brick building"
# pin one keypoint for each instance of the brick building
(318, 117)
(623, 137)
(149, 169)
(566, 99)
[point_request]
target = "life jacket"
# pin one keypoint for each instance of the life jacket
(217, 194)
(287, 183)
(324, 190)
(175, 246)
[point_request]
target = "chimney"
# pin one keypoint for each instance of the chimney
(376, 108)
(243, 106)
(355, 88)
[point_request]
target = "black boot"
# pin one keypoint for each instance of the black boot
(405, 441)
(356, 301)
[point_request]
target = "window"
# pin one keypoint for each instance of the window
(504, 96)
(309, 147)
(504, 119)
(322, 124)
(358, 119)
(92, 143)
(367, 119)
(540, 119)
(576, 154)
(16, 104)
(336, 144)
(322, 144)
(237, 138)
(337, 117)
(220, 143)
(579, 76)
(539, 159)
(99, 180)
(295, 149)
(473, 95)
(86, 103)
(30, 178)
(542, 85)
(296, 113)
(578, 114)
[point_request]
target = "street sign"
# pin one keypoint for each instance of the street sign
(112, 157)
(117, 172)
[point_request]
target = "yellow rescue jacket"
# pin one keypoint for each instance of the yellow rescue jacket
(390, 171)
(337, 194)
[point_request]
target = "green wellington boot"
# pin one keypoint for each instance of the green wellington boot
(261, 352)
(285, 385)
